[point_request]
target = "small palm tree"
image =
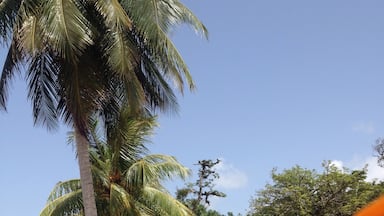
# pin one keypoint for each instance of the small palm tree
(83, 56)
(127, 180)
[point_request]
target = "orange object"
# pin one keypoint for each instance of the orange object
(375, 208)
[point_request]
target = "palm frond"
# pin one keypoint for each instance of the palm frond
(152, 19)
(140, 173)
(151, 169)
(96, 133)
(43, 88)
(187, 16)
(130, 133)
(29, 36)
(167, 167)
(20, 14)
(164, 202)
(158, 91)
(66, 28)
(168, 14)
(10, 67)
(121, 202)
(101, 165)
(65, 199)
(8, 14)
(119, 50)
(62, 188)
(114, 15)
(69, 204)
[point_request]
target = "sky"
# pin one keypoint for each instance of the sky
(279, 83)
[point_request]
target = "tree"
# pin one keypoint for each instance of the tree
(127, 180)
(87, 56)
(196, 195)
(299, 191)
(379, 150)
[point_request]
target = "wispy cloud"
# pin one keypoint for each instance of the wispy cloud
(364, 127)
(338, 164)
(375, 172)
(230, 176)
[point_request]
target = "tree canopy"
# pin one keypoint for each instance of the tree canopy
(300, 191)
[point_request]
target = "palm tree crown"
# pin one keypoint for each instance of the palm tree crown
(83, 56)
(127, 180)
(93, 51)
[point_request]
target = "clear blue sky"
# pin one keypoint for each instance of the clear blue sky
(279, 83)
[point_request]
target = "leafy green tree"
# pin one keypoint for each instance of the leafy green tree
(127, 180)
(196, 195)
(83, 56)
(299, 191)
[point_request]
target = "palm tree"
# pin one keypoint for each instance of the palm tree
(127, 180)
(87, 56)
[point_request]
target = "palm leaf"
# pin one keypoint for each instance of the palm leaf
(114, 15)
(66, 27)
(160, 94)
(165, 203)
(101, 165)
(65, 199)
(70, 203)
(24, 24)
(184, 15)
(168, 14)
(153, 19)
(140, 173)
(42, 76)
(29, 36)
(153, 168)
(121, 202)
(130, 133)
(62, 188)
(8, 14)
(9, 69)
(167, 167)
(119, 49)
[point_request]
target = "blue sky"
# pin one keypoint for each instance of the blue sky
(279, 82)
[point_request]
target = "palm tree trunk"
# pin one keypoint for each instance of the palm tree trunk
(89, 202)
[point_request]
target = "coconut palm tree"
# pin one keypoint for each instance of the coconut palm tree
(127, 180)
(87, 56)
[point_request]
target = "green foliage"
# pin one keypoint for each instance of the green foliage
(80, 55)
(127, 181)
(299, 191)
